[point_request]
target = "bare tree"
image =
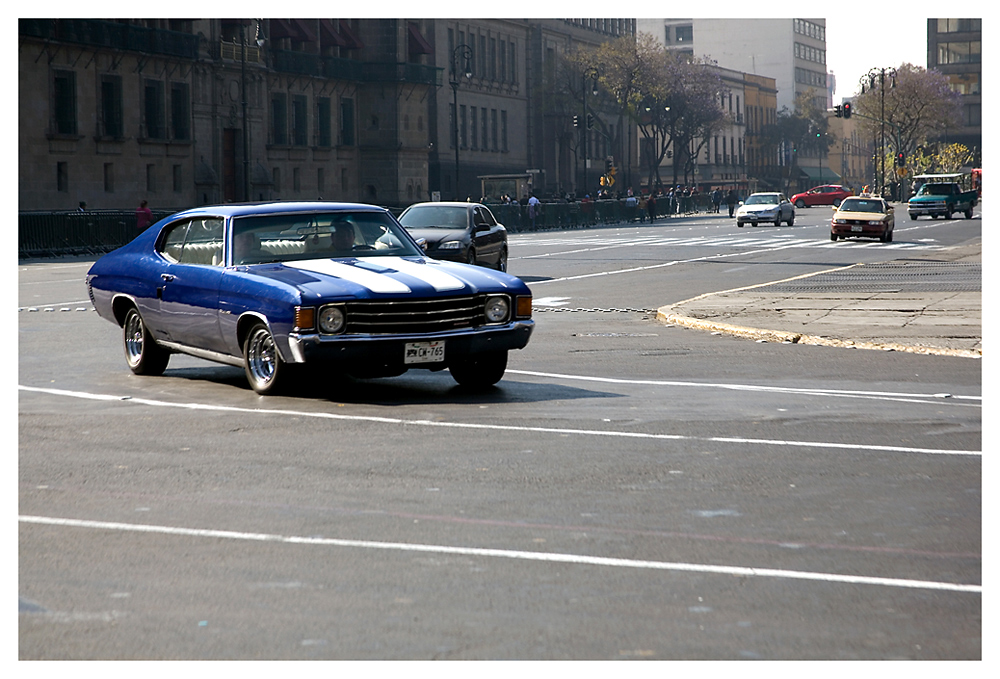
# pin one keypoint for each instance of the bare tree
(919, 104)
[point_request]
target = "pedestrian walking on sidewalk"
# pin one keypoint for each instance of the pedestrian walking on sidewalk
(731, 201)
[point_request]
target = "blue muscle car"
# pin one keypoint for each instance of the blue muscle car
(276, 286)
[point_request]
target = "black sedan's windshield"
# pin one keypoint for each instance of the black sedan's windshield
(311, 235)
(435, 217)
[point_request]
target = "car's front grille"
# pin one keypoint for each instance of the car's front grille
(415, 316)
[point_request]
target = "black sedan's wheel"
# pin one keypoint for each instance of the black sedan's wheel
(502, 260)
(263, 366)
(968, 213)
(144, 355)
(471, 257)
(482, 370)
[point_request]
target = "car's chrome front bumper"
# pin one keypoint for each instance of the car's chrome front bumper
(348, 349)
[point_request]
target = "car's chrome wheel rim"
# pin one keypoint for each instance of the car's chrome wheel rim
(261, 357)
(133, 338)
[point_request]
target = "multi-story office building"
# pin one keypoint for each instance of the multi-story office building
(792, 51)
(954, 47)
(188, 112)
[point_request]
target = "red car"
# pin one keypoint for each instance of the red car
(830, 194)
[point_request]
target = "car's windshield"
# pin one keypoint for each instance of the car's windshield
(862, 205)
(763, 199)
(301, 235)
(435, 217)
(936, 189)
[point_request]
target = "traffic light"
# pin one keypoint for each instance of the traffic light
(900, 159)
(838, 111)
(576, 121)
(608, 165)
(846, 109)
(590, 121)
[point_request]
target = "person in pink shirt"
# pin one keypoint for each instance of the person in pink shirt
(143, 216)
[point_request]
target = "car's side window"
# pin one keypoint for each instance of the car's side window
(198, 241)
(173, 242)
(204, 242)
(488, 217)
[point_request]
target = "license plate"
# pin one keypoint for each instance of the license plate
(424, 352)
(856, 228)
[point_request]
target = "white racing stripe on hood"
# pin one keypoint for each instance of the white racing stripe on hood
(375, 282)
(429, 273)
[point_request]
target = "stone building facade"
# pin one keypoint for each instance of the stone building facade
(188, 112)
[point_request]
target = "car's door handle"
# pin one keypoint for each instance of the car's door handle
(167, 277)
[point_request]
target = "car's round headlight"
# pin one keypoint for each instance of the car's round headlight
(331, 319)
(497, 309)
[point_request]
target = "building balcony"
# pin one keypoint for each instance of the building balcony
(112, 34)
(233, 51)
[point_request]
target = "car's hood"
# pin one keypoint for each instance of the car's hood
(862, 216)
(368, 277)
(758, 208)
(434, 236)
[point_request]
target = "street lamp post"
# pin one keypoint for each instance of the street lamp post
(879, 74)
(592, 74)
(243, 90)
(463, 52)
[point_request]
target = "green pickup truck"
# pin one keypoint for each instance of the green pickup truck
(942, 195)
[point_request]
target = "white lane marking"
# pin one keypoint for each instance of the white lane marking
(551, 557)
(551, 301)
(375, 282)
(429, 272)
(82, 301)
(938, 399)
(497, 427)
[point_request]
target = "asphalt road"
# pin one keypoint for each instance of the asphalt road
(630, 490)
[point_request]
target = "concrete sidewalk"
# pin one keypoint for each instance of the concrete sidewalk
(930, 304)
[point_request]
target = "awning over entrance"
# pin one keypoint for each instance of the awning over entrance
(820, 175)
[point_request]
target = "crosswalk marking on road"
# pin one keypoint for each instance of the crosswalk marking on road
(585, 242)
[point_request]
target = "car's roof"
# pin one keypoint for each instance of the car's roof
(766, 193)
(276, 207)
(446, 203)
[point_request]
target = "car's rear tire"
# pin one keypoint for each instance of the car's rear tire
(481, 370)
(143, 354)
(265, 370)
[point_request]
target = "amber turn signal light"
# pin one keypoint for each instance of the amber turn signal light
(524, 307)
(305, 318)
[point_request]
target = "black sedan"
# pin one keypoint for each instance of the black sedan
(276, 287)
(460, 232)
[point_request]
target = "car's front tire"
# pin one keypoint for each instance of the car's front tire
(481, 370)
(265, 370)
(800, 203)
(502, 260)
(143, 354)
